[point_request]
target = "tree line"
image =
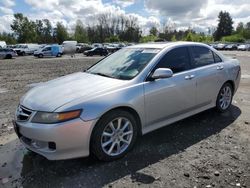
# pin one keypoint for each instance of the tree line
(110, 28)
(107, 29)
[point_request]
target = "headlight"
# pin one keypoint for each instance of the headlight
(53, 117)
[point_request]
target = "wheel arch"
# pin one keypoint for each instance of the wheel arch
(8, 56)
(128, 109)
(231, 82)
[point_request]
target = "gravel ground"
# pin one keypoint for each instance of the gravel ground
(206, 150)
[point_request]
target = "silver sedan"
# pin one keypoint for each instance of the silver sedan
(129, 93)
(6, 53)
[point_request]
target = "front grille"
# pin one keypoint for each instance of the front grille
(23, 114)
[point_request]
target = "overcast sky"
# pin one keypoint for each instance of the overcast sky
(181, 14)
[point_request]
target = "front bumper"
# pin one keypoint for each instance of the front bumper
(65, 140)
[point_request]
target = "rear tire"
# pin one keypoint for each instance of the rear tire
(114, 135)
(224, 98)
(40, 55)
(8, 56)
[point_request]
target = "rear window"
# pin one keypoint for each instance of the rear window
(202, 56)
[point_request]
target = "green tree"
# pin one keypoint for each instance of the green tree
(8, 38)
(233, 38)
(246, 31)
(60, 33)
(80, 34)
(189, 36)
(24, 29)
(39, 30)
(148, 38)
(173, 39)
(153, 31)
(240, 28)
(112, 39)
(47, 31)
(225, 25)
(248, 25)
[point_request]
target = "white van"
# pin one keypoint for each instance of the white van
(26, 49)
(69, 47)
(49, 51)
(2, 44)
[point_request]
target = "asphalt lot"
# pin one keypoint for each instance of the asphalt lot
(208, 149)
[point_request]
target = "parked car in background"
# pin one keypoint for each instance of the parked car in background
(220, 46)
(6, 53)
(96, 51)
(49, 51)
(111, 48)
(2, 44)
(244, 47)
(82, 47)
(96, 45)
(214, 45)
(231, 47)
(134, 91)
(26, 49)
(11, 46)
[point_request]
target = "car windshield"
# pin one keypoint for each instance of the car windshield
(21, 46)
(125, 64)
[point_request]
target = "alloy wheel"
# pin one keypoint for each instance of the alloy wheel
(225, 97)
(117, 136)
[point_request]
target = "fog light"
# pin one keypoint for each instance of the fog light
(52, 145)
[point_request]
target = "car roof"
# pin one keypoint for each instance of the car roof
(162, 45)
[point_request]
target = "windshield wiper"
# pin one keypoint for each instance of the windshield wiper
(101, 74)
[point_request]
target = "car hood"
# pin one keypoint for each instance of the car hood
(51, 95)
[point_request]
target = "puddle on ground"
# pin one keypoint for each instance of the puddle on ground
(3, 90)
(245, 76)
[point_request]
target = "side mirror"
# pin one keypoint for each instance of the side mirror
(162, 73)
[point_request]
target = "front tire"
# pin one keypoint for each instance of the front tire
(224, 98)
(114, 135)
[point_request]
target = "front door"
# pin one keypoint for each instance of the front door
(171, 97)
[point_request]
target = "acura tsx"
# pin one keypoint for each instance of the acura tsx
(138, 89)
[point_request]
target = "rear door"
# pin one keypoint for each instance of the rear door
(98, 51)
(209, 73)
(171, 97)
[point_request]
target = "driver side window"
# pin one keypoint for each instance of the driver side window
(177, 60)
(47, 49)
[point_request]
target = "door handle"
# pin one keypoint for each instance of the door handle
(192, 76)
(189, 77)
(220, 67)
